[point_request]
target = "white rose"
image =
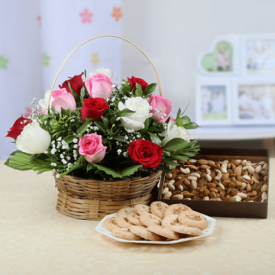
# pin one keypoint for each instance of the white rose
(102, 70)
(33, 139)
(142, 112)
(173, 131)
(43, 103)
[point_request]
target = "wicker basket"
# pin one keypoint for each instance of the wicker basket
(88, 199)
(93, 199)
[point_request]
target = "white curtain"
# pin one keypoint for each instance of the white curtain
(37, 36)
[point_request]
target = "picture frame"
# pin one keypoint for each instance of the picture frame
(213, 101)
(254, 101)
(258, 55)
(222, 59)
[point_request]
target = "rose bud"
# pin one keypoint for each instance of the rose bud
(18, 127)
(161, 107)
(91, 147)
(99, 85)
(63, 99)
(134, 80)
(93, 108)
(76, 83)
(33, 139)
(145, 152)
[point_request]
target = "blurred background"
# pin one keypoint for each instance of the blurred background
(37, 35)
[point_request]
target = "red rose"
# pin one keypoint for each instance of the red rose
(132, 81)
(76, 84)
(93, 108)
(145, 152)
(17, 127)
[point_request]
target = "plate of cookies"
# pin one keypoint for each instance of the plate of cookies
(158, 223)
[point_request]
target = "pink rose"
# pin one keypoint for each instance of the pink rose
(91, 148)
(172, 119)
(161, 107)
(99, 85)
(63, 99)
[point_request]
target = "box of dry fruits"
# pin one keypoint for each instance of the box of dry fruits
(230, 182)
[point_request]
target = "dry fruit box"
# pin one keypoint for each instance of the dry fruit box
(230, 182)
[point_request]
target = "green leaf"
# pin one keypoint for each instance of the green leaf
(101, 127)
(75, 95)
(150, 89)
(170, 162)
(130, 170)
(75, 167)
(154, 138)
(166, 153)
(90, 166)
(69, 139)
(146, 124)
(112, 120)
(187, 145)
(108, 171)
(153, 129)
(178, 113)
(119, 138)
(191, 125)
(186, 119)
(125, 112)
(175, 144)
(105, 122)
(81, 130)
(183, 158)
(179, 122)
(164, 168)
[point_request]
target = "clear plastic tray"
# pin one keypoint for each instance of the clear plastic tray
(206, 232)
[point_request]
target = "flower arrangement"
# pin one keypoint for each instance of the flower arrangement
(94, 128)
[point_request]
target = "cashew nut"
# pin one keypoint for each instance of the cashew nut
(171, 185)
(224, 168)
(165, 190)
(185, 170)
(208, 177)
(167, 196)
(192, 160)
(219, 176)
(193, 184)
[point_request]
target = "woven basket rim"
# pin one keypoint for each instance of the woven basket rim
(125, 180)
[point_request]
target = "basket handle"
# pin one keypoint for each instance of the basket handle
(100, 36)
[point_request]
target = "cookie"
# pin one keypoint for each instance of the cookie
(141, 208)
(165, 232)
(144, 233)
(158, 208)
(126, 234)
(193, 219)
(110, 224)
(176, 209)
(171, 222)
(134, 218)
(121, 217)
(149, 219)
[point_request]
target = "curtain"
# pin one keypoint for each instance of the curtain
(37, 36)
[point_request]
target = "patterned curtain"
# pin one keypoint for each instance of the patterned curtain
(37, 36)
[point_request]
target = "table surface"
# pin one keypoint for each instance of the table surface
(36, 239)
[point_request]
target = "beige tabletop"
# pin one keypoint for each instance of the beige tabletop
(36, 239)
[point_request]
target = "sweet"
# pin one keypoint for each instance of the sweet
(193, 219)
(126, 234)
(158, 208)
(144, 233)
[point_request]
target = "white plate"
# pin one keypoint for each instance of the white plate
(206, 232)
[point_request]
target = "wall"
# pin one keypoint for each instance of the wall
(173, 33)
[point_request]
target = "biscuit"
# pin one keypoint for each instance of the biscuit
(149, 219)
(176, 209)
(141, 208)
(121, 217)
(134, 218)
(158, 208)
(145, 233)
(126, 234)
(171, 222)
(165, 232)
(110, 224)
(193, 219)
